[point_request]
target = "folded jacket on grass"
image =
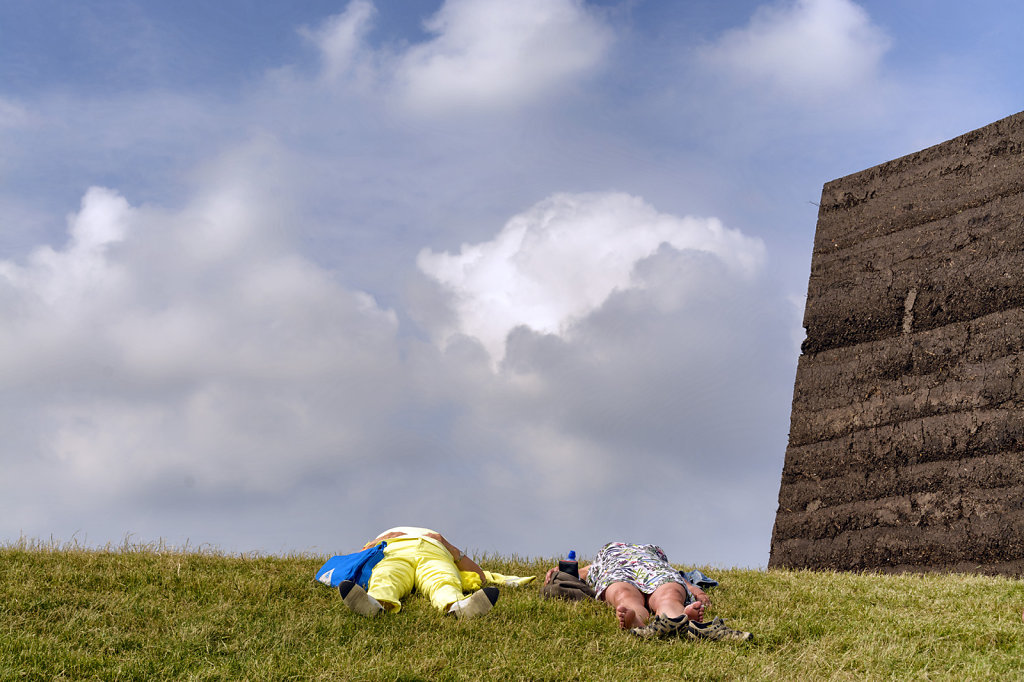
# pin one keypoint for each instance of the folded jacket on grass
(567, 586)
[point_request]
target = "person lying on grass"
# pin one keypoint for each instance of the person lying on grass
(420, 559)
(637, 580)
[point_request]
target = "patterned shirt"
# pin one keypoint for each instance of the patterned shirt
(645, 567)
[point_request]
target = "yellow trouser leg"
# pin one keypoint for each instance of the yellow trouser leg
(437, 577)
(393, 578)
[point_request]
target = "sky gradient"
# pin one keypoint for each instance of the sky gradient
(277, 276)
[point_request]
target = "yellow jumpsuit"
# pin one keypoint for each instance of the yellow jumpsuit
(413, 561)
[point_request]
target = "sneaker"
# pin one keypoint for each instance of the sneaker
(662, 627)
(716, 630)
(356, 598)
(476, 604)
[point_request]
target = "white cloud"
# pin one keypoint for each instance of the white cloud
(204, 365)
(493, 53)
(340, 39)
(807, 49)
(483, 54)
(179, 368)
(69, 280)
(561, 260)
(669, 379)
(144, 353)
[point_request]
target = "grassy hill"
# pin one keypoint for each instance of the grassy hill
(143, 612)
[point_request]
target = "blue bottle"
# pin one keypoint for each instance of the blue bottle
(570, 565)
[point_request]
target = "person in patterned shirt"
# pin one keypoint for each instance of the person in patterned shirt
(638, 581)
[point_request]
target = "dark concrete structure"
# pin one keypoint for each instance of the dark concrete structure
(906, 444)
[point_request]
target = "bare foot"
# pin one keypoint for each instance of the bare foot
(627, 618)
(694, 611)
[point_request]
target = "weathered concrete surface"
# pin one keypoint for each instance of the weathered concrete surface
(906, 446)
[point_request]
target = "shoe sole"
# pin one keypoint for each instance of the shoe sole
(358, 601)
(479, 603)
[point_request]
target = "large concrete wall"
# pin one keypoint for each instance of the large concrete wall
(906, 444)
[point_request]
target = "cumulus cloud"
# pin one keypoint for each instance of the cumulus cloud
(557, 262)
(201, 358)
(652, 393)
(807, 49)
(174, 365)
(493, 53)
(161, 346)
(341, 40)
(482, 54)
(69, 280)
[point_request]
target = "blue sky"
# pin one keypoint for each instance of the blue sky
(277, 276)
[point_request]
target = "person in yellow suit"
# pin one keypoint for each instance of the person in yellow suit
(420, 559)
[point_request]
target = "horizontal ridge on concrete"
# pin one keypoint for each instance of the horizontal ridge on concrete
(991, 539)
(997, 470)
(959, 268)
(929, 439)
(959, 352)
(920, 509)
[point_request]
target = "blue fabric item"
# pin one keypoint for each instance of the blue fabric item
(697, 578)
(356, 566)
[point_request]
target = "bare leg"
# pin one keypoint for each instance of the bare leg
(668, 600)
(629, 604)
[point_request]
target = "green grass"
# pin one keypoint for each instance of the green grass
(149, 612)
